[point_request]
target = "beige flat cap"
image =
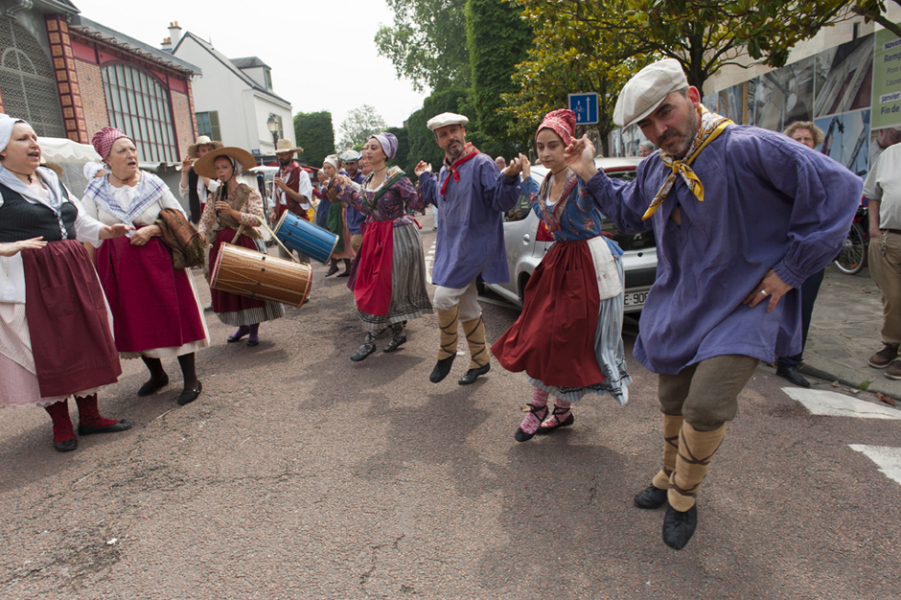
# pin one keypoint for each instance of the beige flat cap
(445, 119)
(645, 92)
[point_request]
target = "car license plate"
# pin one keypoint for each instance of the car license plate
(635, 299)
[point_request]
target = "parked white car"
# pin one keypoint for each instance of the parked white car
(524, 252)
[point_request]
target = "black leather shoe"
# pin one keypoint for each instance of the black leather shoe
(153, 386)
(66, 445)
(442, 368)
(363, 351)
(395, 343)
(232, 339)
(473, 374)
(188, 396)
(678, 527)
(89, 429)
(793, 375)
(650, 498)
(208, 308)
(252, 343)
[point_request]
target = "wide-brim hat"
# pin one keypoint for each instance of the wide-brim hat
(285, 146)
(204, 166)
(202, 141)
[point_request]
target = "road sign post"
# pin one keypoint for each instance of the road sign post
(585, 106)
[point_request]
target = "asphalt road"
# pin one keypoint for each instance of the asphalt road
(299, 474)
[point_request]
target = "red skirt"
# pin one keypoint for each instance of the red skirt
(226, 302)
(553, 340)
(153, 304)
(68, 322)
(371, 276)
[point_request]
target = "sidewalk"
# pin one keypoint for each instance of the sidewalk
(845, 332)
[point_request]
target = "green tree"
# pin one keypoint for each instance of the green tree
(421, 139)
(315, 134)
(361, 123)
(704, 35)
(874, 10)
(403, 148)
(568, 56)
(427, 43)
(498, 39)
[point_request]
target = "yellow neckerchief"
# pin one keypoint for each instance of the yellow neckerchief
(712, 125)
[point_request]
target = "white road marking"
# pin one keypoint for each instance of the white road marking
(833, 404)
(888, 459)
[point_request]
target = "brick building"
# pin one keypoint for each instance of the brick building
(69, 76)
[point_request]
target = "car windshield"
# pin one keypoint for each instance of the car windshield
(625, 241)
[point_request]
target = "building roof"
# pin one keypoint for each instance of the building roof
(248, 62)
(63, 6)
(103, 33)
(231, 66)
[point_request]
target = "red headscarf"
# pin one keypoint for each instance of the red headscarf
(562, 122)
(104, 139)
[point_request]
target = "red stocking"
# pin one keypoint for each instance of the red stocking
(88, 413)
(62, 424)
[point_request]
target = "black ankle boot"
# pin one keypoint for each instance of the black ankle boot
(678, 527)
(442, 369)
(367, 348)
(399, 337)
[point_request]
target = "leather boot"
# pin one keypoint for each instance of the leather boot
(479, 362)
(398, 337)
(654, 496)
(447, 321)
(696, 449)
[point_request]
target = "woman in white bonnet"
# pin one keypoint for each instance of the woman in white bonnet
(55, 332)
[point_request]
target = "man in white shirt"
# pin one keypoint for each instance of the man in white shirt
(883, 188)
(193, 187)
(292, 191)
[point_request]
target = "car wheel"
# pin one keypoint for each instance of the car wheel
(523, 284)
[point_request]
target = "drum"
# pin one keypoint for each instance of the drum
(306, 238)
(246, 272)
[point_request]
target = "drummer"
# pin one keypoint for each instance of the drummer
(232, 218)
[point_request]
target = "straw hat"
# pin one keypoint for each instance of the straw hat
(285, 146)
(202, 141)
(204, 166)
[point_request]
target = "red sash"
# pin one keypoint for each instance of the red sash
(469, 151)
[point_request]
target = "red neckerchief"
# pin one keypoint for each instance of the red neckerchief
(469, 151)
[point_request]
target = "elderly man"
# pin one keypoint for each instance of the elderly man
(883, 188)
(193, 187)
(471, 196)
(742, 215)
(292, 190)
(350, 159)
(501, 162)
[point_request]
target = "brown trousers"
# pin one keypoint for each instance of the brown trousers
(705, 394)
(886, 272)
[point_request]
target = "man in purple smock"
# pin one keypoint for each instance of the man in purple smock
(471, 196)
(742, 217)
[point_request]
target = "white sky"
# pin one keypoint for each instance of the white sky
(322, 54)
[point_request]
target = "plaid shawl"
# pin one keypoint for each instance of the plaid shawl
(150, 189)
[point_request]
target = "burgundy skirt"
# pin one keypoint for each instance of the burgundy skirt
(226, 302)
(553, 340)
(152, 303)
(68, 322)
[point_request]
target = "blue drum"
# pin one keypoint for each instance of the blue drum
(306, 238)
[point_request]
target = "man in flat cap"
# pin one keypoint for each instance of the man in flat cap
(471, 196)
(350, 160)
(742, 216)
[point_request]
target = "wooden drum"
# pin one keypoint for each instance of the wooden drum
(246, 272)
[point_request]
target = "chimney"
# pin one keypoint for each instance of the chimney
(167, 44)
(174, 33)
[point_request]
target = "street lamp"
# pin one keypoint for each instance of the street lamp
(272, 124)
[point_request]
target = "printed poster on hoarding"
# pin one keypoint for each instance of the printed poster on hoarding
(886, 81)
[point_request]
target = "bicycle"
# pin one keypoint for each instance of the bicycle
(853, 255)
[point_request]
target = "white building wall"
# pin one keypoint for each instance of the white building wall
(243, 111)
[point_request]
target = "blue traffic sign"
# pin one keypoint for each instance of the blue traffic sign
(585, 106)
